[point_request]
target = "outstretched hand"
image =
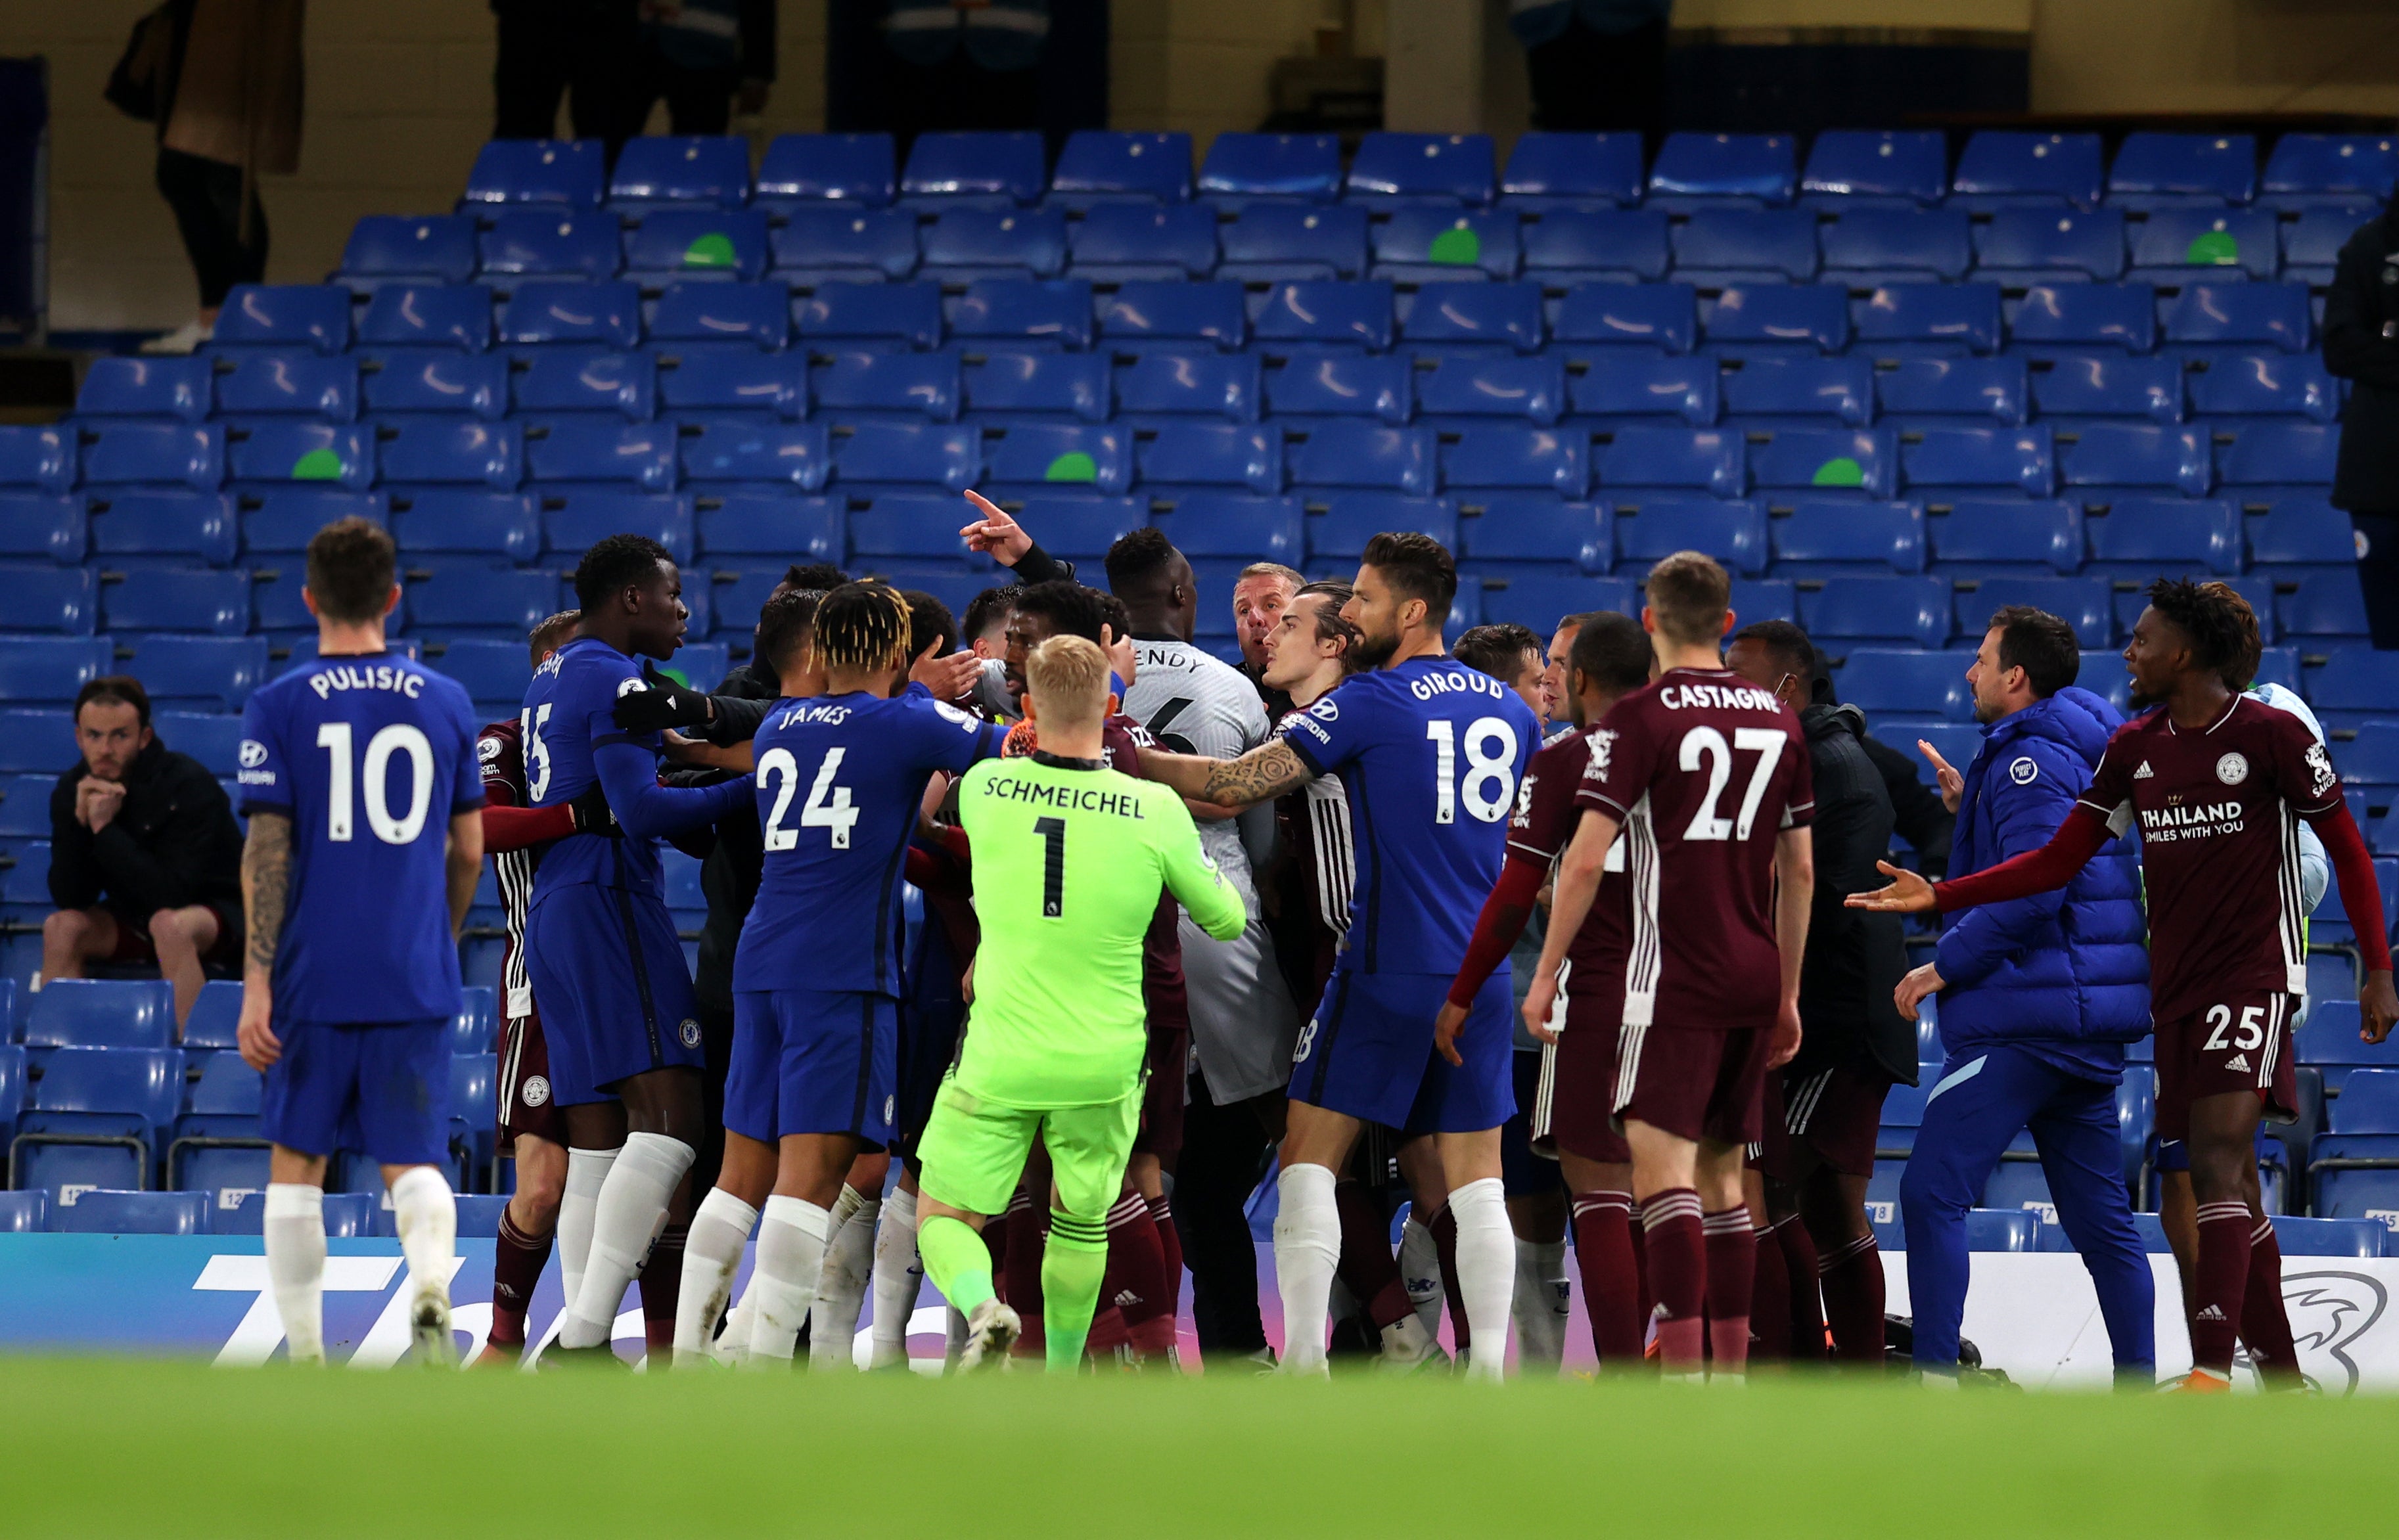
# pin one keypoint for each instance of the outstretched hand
(1122, 654)
(995, 534)
(948, 678)
(1908, 893)
(1952, 780)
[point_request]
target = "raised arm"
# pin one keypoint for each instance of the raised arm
(1262, 775)
(2054, 865)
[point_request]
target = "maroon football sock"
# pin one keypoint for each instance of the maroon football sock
(661, 1286)
(1368, 1268)
(1677, 1253)
(1444, 1226)
(2218, 1282)
(517, 1262)
(1169, 1240)
(1769, 1303)
(1135, 1280)
(1029, 1230)
(1852, 1282)
(1732, 1269)
(2265, 1324)
(1641, 1273)
(1611, 1277)
(1798, 1249)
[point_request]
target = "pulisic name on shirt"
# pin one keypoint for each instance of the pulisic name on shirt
(1082, 799)
(360, 676)
(1455, 682)
(1717, 698)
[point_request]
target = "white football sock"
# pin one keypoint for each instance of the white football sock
(295, 1230)
(427, 1215)
(710, 1253)
(1540, 1305)
(731, 1347)
(586, 1172)
(631, 1210)
(1486, 1271)
(841, 1287)
(1420, 1273)
(899, 1275)
(1306, 1248)
(790, 1255)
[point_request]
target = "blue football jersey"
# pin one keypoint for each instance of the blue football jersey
(839, 780)
(1430, 755)
(569, 712)
(369, 757)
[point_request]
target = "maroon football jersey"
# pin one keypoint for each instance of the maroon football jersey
(1704, 771)
(2218, 812)
(1547, 814)
(500, 750)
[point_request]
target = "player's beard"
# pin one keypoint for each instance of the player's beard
(1373, 651)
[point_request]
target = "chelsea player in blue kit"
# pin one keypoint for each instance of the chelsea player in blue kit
(606, 968)
(1429, 753)
(817, 980)
(359, 779)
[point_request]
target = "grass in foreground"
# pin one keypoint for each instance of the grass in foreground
(118, 1447)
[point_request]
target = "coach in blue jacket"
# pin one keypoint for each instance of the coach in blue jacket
(2039, 997)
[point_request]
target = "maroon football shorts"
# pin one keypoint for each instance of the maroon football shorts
(1833, 1113)
(1162, 1100)
(2242, 1044)
(1693, 1082)
(526, 1105)
(1574, 1105)
(134, 944)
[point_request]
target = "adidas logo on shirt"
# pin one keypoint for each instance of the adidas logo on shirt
(2144, 773)
(2239, 1061)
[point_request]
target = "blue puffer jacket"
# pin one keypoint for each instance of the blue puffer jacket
(2065, 975)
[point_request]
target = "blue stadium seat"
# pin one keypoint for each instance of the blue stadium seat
(441, 520)
(1053, 313)
(467, 596)
(1242, 169)
(737, 593)
(1116, 242)
(304, 385)
(1868, 248)
(1059, 455)
(2326, 605)
(292, 451)
(207, 673)
(2327, 1040)
(2264, 384)
(1693, 169)
(1337, 383)
(311, 315)
(1952, 392)
(2141, 537)
(744, 524)
(2307, 170)
(2002, 1230)
(1537, 535)
(45, 527)
(1865, 460)
(801, 170)
(1648, 529)
(1835, 390)
(212, 738)
(108, 1212)
(2219, 317)
(1570, 245)
(933, 454)
(41, 458)
(198, 525)
(1477, 317)
(1082, 528)
(2022, 458)
(216, 1149)
(1436, 245)
(1229, 526)
(1423, 167)
(22, 1213)
(2297, 1236)
(2083, 603)
(751, 315)
(2084, 316)
(65, 600)
(408, 314)
(2018, 247)
(857, 381)
(1709, 459)
(2370, 759)
(799, 456)
(2177, 245)
(2000, 168)
(101, 1013)
(1346, 452)
(177, 454)
(146, 388)
(2135, 455)
(1226, 385)
(2162, 170)
(2311, 244)
(720, 383)
(1906, 687)
(1563, 172)
(1717, 247)
(1286, 243)
(963, 244)
(1216, 454)
(97, 1117)
(1661, 317)
(1941, 320)
(1352, 519)
(1801, 317)
(1897, 610)
(538, 171)
(205, 602)
(1539, 600)
(1028, 383)
(1531, 389)
(2303, 531)
(1818, 538)
(600, 449)
(1174, 316)
(2277, 451)
(992, 170)
(25, 805)
(1098, 165)
(41, 669)
(574, 522)
(548, 243)
(551, 381)
(681, 245)
(409, 249)
(1493, 455)
(281, 520)
(1852, 166)
(33, 740)
(838, 244)
(1354, 314)
(655, 170)
(1634, 384)
(2368, 1104)
(551, 310)
(2102, 384)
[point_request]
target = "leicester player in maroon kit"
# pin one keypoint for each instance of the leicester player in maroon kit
(1706, 777)
(2218, 783)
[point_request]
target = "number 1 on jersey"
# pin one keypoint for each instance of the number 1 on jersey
(1053, 866)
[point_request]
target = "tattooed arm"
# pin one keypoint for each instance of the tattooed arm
(1262, 775)
(265, 889)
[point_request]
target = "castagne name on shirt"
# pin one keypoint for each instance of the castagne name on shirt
(1082, 799)
(1724, 697)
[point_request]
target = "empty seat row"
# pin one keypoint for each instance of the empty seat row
(215, 1209)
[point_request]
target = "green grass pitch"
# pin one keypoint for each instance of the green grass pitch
(119, 1447)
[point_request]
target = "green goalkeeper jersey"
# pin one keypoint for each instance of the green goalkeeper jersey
(1068, 858)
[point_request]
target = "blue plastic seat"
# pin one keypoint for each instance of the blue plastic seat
(311, 315)
(674, 245)
(2162, 170)
(1867, 248)
(1710, 459)
(101, 1013)
(1060, 455)
(1913, 610)
(1529, 389)
(2307, 170)
(109, 1211)
(802, 169)
(2370, 759)
(854, 381)
(2352, 685)
(1052, 313)
(453, 450)
(552, 380)
(46, 528)
(25, 809)
(1848, 166)
(2135, 455)
(1799, 317)
(2022, 458)
(2304, 530)
(538, 171)
(798, 456)
(1028, 382)
(1337, 383)
(1492, 455)
(409, 249)
(1571, 246)
(37, 458)
(2275, 451)
(744, 524)
(653, 170)
(1215, 455)
(1896, 686)
(1541, 600)
(737, 382)
(1953, 392)
(1350, 518)
(181, 388)
(2006, 167)
(280, 384)
(60, 599)
(1650, 528)
(2265, 384)
(2179, 244)
(2328, 605)
(281, 520)
(470, 597)
(1537, 535)
(2297, 1236)
(2101, 384)
(1098, 165)
(1977, 537)
(2080, 316)
(1946, 321)
(206, 673)
(1716, 247)
(1694, 168)
(965, 244)
(1081, 527)
(1662, 317)
(201, 600)
(1819, 538)
(1358, 315)
(549, 242)
(1865, 460)
(410, 315)
(1482, 318)
(1835, 390)
(1226, 385)
(1117, 242)
(1563, 171)
(450, 521)
(1242, 169)
(2243, 316)
(845, 244)
(1423, 167)
(909, 527)
(123, 453)
(2311, 243)
(1282, 243)
(1175, 316)
(551, 310)
(748, 314)
(573, 523)
(933, 454)
(1347, 451)
(2140, 537)
(1432, 245)
(600, 450)
(1638, 385)
(45, 669)
(198, 525)
(1224, 525)
(993, 169)
(291, 451)
(2083, 602)
(2025, 246)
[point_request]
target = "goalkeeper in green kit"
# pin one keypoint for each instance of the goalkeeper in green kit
(1068, 858)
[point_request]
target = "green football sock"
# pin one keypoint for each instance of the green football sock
(956, 1260)
(1073, 1261)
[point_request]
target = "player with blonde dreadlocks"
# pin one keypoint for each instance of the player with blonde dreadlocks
(815, 980)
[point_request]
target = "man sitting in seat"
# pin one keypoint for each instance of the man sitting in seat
(145, 856)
